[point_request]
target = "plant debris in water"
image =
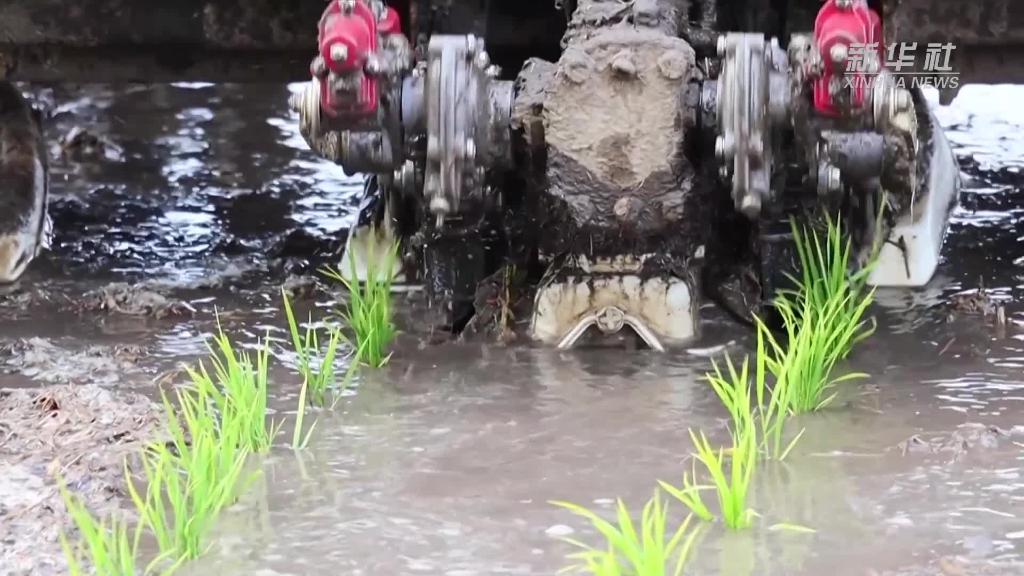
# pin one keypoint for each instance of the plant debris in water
(79, 433)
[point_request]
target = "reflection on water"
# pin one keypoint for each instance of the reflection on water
(445, 465)
(444, 462)
(207, 172)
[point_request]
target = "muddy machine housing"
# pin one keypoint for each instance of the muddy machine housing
(613, 165)
(626, 147)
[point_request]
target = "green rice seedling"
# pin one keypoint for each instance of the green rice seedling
(733, 390)
(369, 313)
(189, 482)
(689, 494)
(318, 376)
(732, 487)
(650, 550)
(238, 390)
(108, 546)
(823, 319)
(300, 441)
(826, 282)
(773, 403)
(805, 362)
(768, 410)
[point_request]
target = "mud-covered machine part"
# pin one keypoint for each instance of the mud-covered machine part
(623, 149)
(606, 178)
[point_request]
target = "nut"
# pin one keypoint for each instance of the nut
(750, 206)
(339, 52)
(833, 179)
(720, 149)
(483, 60)
(610, 320)
(838, 54)
(903, 100)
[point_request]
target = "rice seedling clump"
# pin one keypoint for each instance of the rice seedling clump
(823, 319)
(315, 365)
(369, 313)
(106, 547)
(650, 549)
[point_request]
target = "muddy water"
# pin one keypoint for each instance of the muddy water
(444, 462)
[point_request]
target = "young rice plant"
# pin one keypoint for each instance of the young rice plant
(190, 482)
(649, 549)
(823, 320)
(369, 313)
(110, 547)
(237, 389)
(315, 366)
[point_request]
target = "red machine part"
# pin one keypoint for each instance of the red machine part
(349, 34)
(858, 29)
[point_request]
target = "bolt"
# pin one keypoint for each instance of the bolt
(470, 148)
(439, 205)
(833, 179)
(722, 45)
(611, 320)
(720, 149)
(844, 4)
(348, 6)
(756, 145)
(838, 54)
(483, 60)
(471, 44)
(903, 101)
(493, 71)
(373, 65)
(750, 206)
(339, 53)
(318, 68)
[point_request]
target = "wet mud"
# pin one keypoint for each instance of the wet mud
(193, 202)
(80, 433)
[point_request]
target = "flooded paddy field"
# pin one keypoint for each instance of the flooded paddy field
(172, 204)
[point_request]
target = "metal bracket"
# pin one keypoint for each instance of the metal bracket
(611, 320)
(467, 115)
(753, 101)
